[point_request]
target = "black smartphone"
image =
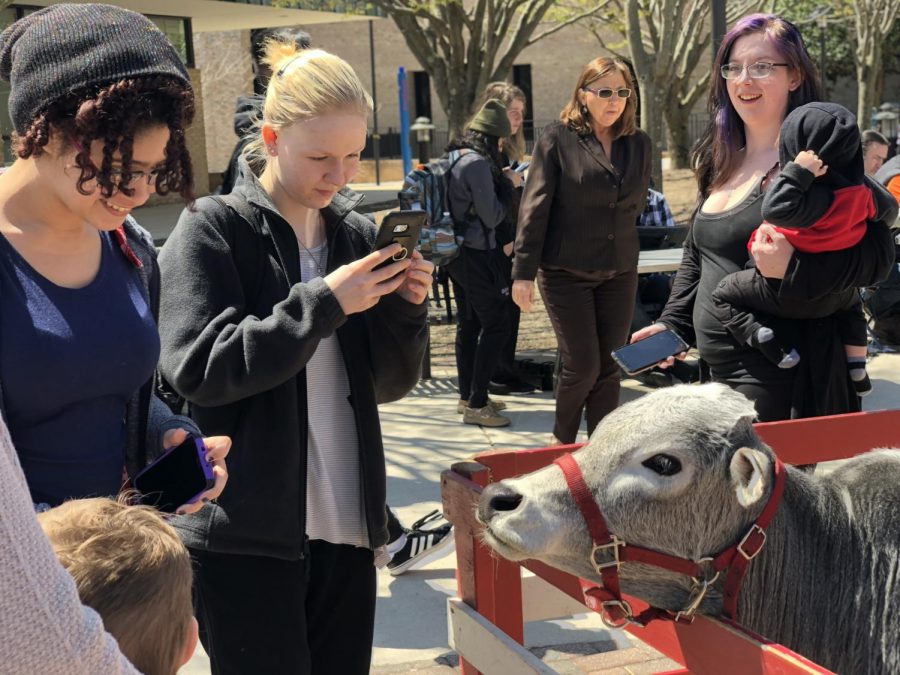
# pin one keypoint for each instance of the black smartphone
(644, 354)
(179, 477)
(402, 227)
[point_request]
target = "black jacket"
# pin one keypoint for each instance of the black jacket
(237, 330)
(579, 208)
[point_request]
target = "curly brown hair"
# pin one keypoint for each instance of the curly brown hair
(115, 114)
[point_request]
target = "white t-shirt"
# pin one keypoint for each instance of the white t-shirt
(334, 510)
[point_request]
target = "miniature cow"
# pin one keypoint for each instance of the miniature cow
(682, 471)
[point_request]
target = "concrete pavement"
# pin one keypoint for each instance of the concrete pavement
(423, 436)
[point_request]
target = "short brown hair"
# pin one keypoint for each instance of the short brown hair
(129, 566)
(573, 114)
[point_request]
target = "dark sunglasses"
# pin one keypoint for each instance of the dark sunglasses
(605, 92)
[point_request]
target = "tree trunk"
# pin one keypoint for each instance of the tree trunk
(679, 136)
(866, 93)
(652, 105)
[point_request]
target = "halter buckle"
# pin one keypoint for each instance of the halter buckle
(698, 594)
(752, 543)
(622, 606)
(615, 543)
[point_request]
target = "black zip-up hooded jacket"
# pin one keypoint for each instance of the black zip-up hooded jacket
(236, 348)
(796, 198)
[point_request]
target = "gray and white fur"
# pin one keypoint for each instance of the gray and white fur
(681, 470)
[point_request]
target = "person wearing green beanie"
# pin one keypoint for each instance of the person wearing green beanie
(481, 197)
(491, 120)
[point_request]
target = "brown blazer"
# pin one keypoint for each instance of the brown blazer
(580, 210)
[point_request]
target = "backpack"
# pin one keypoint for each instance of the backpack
(426, 188)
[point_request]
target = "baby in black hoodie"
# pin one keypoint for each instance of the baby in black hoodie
(820, 202)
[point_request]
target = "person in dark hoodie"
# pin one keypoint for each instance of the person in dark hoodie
(247, 109)
(278, 324)
(819, 202)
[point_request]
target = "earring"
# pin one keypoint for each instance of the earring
(584, 111)
(271, 149)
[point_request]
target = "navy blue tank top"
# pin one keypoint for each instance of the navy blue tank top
(69, 361)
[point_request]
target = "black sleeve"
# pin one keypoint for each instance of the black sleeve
(793, 199)
(399, 338)
(534, 212)
(213, 352)
(679, 310)
(812, 275)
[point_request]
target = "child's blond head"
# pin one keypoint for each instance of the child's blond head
(129, 566)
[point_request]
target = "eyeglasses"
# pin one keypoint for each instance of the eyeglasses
(605, 92)
(135, 177)
(115, 175)
(758, 71)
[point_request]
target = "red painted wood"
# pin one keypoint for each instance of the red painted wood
(821, 439)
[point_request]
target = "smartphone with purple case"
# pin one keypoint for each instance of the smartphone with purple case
(179, 477)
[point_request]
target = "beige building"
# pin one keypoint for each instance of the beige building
(547, 70)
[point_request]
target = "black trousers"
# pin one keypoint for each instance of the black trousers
(506, 368)
(482, 320)
(591, 314)
(261, 615)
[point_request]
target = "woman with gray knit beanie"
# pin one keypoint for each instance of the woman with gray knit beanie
(99, 100)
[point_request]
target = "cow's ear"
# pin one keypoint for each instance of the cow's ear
(750, 470)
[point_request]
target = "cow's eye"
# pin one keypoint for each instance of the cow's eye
(664, 465)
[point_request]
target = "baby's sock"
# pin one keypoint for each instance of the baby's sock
(861, 381)
(764, 340)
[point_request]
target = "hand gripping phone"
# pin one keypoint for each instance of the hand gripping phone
(644, 354)
(179, 477)
(402, 227)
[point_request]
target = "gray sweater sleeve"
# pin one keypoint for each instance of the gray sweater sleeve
(213, 353)
(44, 628)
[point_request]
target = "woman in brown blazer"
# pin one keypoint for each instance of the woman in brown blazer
(586, 186)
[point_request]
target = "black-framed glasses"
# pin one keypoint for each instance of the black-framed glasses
(115, 175)
(606, 92)
(135, 177)
(758, 71)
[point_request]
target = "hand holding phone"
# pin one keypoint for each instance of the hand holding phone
(399, 227)
(644, 354)
(179, 477)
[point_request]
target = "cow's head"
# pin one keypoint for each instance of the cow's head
(679, 470)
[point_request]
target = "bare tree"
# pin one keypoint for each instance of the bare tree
(666, 42)
(874, 20)
(465, 45)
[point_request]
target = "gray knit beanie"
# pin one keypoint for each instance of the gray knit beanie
(65, 48)
(492, 119)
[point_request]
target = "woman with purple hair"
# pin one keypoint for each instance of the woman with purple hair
(764, 72)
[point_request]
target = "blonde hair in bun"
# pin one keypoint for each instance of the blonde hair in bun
(305, 84)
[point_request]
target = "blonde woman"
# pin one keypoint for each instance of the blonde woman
(505, 379)
(513, 146)
(278, 326)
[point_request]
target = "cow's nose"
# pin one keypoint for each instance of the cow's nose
(497, 497)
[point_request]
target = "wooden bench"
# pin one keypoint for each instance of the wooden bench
(486, 622)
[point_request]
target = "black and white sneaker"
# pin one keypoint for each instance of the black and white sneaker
(422, 546)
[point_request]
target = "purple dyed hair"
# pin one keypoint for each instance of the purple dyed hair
(715, 156)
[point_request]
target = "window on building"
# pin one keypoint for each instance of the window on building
(522, 79)
(421, 94)
(178, 30)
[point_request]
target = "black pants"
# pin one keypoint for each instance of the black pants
(482, 320)
(506, 371)
(591, 314)
(261, 615)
